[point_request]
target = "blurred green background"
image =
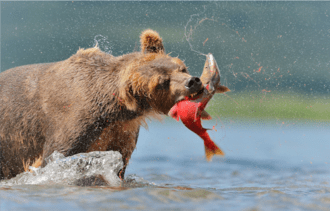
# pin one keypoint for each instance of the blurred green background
(274, 56)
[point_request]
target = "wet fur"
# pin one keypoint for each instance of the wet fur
(92, 101)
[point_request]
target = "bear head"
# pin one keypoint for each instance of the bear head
(156, 78)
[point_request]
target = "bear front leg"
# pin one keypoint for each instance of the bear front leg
(131, 145)
(124, 140)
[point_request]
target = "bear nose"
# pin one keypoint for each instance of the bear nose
(193, 84)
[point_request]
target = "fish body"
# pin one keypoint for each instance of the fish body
(187, 111)
(191, 111)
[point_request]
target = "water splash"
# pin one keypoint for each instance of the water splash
(80, 169)
(103, 43)
(188, 32)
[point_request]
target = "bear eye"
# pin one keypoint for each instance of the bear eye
(184, 70)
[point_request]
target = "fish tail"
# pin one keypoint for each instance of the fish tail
(210, 153)
(211, 148)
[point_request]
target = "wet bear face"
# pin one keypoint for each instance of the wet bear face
(170, 82)
(158, 78)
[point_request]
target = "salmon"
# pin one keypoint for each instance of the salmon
(191, 111)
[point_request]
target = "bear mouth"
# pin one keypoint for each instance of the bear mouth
(196, 95)
(192, 96)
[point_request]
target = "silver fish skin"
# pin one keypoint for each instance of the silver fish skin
(211, 73)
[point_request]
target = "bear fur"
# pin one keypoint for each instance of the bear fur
(92, 101)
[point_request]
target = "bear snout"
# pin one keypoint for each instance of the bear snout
(193, 84)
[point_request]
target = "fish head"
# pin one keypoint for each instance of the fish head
(211, 76)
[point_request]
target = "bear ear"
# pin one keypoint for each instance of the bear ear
(151, 42)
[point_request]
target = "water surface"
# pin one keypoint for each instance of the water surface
(276, 165)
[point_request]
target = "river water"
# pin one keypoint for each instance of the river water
(269, 165)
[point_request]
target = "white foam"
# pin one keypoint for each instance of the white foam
(70, 170)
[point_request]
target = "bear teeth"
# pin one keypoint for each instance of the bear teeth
(193, 95)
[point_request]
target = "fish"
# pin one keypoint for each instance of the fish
(191, 111)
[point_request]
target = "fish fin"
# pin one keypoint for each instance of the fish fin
(209, 153)
(205, 116)
(174, 113)
(218, 151)
(222, 89)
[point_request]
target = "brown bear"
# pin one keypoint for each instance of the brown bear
(91, 101)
